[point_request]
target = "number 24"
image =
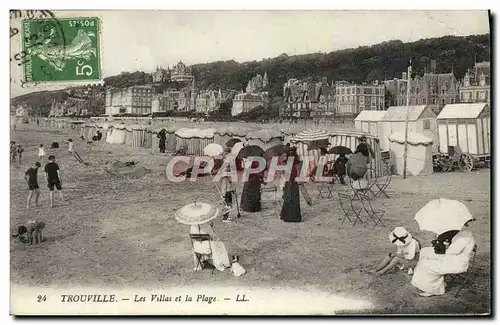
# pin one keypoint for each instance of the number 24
(41, 298)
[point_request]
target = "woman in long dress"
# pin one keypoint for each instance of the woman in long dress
(219, 257)
(431, 268)
(251, 194)
(290, 212)
(163, 138)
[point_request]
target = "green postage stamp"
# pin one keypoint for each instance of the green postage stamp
(59, 50)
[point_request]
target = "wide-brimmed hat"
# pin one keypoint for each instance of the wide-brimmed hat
(400, 236)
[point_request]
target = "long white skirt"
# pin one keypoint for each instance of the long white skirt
(429, 273)
(219, 257)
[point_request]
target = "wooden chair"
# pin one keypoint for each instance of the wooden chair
(201, 258)
(351, 212)
(464, 277)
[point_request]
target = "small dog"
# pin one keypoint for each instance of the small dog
(236, 267)
(31, 232)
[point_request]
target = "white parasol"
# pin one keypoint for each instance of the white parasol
(442, 215)
(196, 213)
(213, 150)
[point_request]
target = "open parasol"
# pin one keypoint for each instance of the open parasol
(442, 215)
(250, 151)
(318, 144)
(236, 148)
(277, 151)
(213, 150)
(232, 142)
(196, 213)
(340, 150)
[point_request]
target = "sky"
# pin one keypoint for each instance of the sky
(141, 40)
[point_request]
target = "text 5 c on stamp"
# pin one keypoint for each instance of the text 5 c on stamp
(62, 50)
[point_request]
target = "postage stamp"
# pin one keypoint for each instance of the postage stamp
(60, 50)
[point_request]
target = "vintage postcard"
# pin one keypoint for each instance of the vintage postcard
(250, 162)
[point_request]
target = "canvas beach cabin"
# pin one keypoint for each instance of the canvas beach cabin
(421, 120)
(468, 126)
(369, 122)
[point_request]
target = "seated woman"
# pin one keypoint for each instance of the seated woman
(218, 257)
(357, 164)
(339, 167)
(431, 268)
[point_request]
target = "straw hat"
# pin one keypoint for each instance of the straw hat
(400, 236)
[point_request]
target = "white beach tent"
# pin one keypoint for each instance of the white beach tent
(421, 120)
(467, 125)
(369, 122)
(419, 155)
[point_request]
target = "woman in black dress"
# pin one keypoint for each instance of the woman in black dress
(290, 212)
(251, 195)
(163, 138)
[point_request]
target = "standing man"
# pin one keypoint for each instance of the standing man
(31, 176)
(53, 178)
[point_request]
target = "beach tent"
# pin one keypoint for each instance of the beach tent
(351, 139)
(182, 137)
(129, 135)
(419, 154)
(420, 120)
(224, 134)
(369, 122)
(117, 135)
(264, 138)
(467, 125)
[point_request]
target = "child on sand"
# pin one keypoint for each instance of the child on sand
(31, 175)
(226, 187)
(19, 152)
(407, 250)
(71, 146)
(53, 178)
(41, 152)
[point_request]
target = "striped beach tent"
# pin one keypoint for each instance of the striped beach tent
(182, 137)
(351, 139)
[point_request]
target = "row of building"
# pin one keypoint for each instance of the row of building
(143, 100)
(341, 98)
(304, 99)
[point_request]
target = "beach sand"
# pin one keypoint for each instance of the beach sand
(118, 229)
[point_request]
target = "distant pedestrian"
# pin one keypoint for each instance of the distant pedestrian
(38, 122)
(41, 152)
(31, 175)
(53, 177)
(19, 152)
(71, 146)
(13, 151)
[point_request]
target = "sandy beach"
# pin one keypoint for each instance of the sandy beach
(117, 228)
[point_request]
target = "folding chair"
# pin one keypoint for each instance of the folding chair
(362, 188)
(381, 186)
(325, 190)
(351, 213)
(374, 214)
(272, 189)
(200, 257)
(463, 277)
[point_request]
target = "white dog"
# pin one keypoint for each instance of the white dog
(236, 267)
